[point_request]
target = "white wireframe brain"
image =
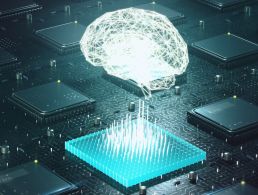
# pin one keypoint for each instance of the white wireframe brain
(136, 44)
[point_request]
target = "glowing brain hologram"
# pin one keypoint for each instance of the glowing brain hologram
(136, 44)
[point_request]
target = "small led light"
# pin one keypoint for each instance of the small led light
(234, 96)
(228, 33)
(36, 161)
(242, 182)
(58, 81)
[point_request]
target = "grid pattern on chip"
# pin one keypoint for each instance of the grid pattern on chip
(133, 151)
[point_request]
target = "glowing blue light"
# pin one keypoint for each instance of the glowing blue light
(133, 151)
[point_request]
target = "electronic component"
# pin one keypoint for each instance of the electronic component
(238, 189)
(192, 177)
(218, 78)
(52, 101)
(226, 156)
(135, 151)
(133, 87)
(97, 122)
(131, 106)
(7, 60)
(63, 38)
(225, 4)
(142, 190)
(13, 7)
(177, 90)
(233, 119)
(227, 49)
(5, 149)
(32, 178)
(171, 14)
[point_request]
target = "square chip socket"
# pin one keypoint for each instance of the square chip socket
(52, 101)
(233, 119)
(64, 38)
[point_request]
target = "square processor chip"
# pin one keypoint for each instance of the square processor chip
(227, 49)
(171, 14)
(32, 178)
(7, 60)
(52, 101)
(63, 38)
(233, 119)
(14, 7)
(225, 4)
(135, 151)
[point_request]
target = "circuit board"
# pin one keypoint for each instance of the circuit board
(50, 96)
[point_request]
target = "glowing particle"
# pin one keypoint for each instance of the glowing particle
(136, 44)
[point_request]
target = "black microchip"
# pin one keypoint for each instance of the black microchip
(171, 14)
(233, 119)
(32, 178)
(14, 7)
(225, 4)
(227, 49)
(63, 38)
(7, 60)
(238, 189)
(52, 101)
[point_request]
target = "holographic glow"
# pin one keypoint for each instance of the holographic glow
(134, 151)
(136, 44)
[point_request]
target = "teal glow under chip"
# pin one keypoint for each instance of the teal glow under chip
(134, 151)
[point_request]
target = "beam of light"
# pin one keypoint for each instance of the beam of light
(136, 44)
(132, 151)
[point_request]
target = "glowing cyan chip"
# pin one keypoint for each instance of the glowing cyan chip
(136, 44)
(134, 151)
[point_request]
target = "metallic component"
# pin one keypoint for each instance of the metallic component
(19, 76)
(67, 9)
(99, 4)
(97, 121)
(5, 149)
(50, 132)
(253, 71)
(131, 107)
(29, 18)
(177, 90)
(218, 78)
(142, 190)
(193, 177)
(202, 24)
(227, 156)
(52, 63)
(248, 10)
